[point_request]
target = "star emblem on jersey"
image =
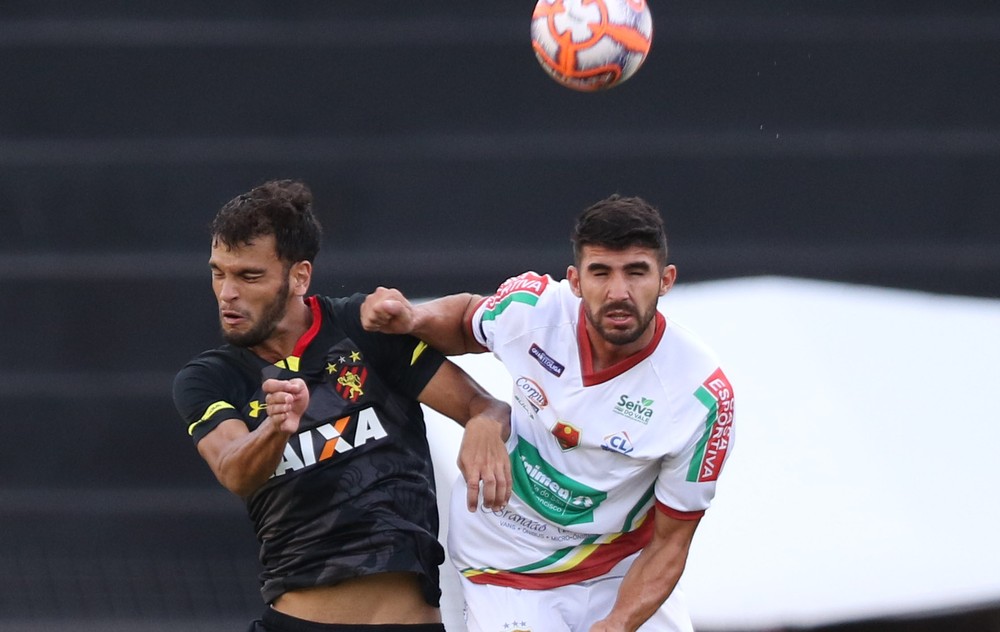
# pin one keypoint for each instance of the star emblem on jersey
(516, 626)
(567, 436)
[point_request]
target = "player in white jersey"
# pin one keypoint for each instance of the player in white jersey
(621, 422)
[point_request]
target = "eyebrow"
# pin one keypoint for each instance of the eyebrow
(633, 265)
(247, 270)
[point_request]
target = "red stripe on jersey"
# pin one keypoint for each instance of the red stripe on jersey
(306, 338)
(597, 563)
(590, 378)
(678, 514)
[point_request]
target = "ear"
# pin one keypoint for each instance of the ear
(299, 277)
(573, 276)
(667, 278)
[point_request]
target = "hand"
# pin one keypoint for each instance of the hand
(484, 462)
(287, 401)
(388, 311)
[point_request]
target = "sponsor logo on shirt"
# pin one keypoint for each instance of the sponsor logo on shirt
(323, 442)
(525, 288)
(638, 409)
(529, 395)
(567, 435)
(555, 496)
(618, 442)
(717, 396)
(547, 362)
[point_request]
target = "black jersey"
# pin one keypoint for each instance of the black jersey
(354, 494)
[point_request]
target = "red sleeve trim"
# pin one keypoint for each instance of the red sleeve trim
(678, 514)
(469, 326)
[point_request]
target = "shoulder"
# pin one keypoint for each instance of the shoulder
(225, 364)
(522, 293)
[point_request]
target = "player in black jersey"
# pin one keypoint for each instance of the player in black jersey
(317, 425)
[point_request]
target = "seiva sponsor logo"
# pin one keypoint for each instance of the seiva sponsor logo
(555, 496)
(639, 409)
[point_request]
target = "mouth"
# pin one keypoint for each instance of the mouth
(620, 317)
(231, 318)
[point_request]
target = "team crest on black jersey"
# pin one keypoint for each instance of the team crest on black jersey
(346, 370)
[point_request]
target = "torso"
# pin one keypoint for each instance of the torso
(591, 452)
(354, 494)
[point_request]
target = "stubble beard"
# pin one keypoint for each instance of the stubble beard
(621, 336)
(268, 322)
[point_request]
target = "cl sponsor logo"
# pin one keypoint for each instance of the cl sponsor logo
(618, 442)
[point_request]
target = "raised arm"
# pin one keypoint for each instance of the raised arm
(653, 575)
(243, 460)
(442, 323)
(482, 457)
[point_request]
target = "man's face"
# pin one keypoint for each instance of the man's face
(252, 288)
(620, 289)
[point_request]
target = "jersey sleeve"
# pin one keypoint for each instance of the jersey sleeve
(406, 362)
(686, 483)
(202, 397)
(507, 309)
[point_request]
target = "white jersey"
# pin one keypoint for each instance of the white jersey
(592, 453)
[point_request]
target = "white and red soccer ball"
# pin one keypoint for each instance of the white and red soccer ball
(591, 45)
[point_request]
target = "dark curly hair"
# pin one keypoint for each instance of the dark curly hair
(282, 208)
(618, 223)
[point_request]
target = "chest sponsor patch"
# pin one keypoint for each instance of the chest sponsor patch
(618, 442)
(548, 362)
(635, 408)
(555, 496)
(325, 441)
(717, 396)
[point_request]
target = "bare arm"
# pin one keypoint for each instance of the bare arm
(482, 457)
(243, 460)
(653, 575)
(441, 323)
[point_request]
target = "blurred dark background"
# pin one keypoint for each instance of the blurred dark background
(850, 141)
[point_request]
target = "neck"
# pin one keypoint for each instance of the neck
(606, 354)
(298, 318)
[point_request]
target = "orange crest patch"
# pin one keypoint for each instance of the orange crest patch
(567, 436)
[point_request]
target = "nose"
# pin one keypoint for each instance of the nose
(227, 290)
(618, 288)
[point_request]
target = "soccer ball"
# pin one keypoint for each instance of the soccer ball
(591, 45)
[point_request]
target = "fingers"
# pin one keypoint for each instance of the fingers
(495, 492)
(286, 401)
(293, 386)
(385, 310)
(492, 485)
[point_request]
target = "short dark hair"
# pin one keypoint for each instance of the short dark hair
(618, 223)
(282, 208)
